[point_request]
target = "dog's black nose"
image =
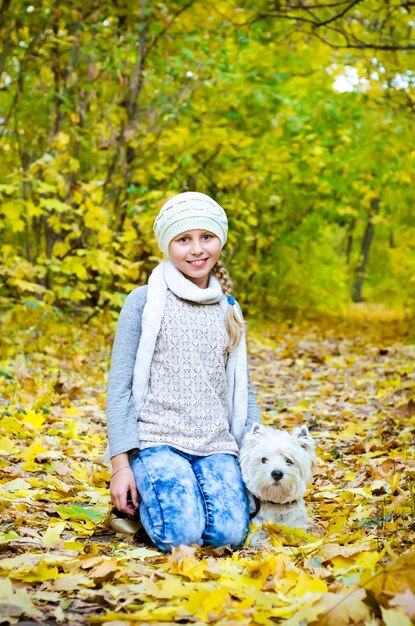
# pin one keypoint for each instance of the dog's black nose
(277, 475)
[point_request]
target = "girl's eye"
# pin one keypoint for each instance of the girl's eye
(289, 462)
(264, 460)
(183, 239)
(206, 237)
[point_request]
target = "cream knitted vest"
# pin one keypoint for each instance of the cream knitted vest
(187, 400)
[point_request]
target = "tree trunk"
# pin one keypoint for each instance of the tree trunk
(364, 256)
(349, 244)
(3, 10)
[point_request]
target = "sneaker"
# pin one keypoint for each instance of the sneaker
(123, 523)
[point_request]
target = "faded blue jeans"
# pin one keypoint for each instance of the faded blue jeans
(189, 499)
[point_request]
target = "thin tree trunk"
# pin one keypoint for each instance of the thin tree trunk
(132, 104)
(349, 244)
(3, 10)
(5, 52)
(56, 70)
(137, 83)
(364, 256)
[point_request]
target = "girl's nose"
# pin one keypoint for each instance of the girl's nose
(197, 247)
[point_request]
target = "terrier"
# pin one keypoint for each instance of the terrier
(276, 468)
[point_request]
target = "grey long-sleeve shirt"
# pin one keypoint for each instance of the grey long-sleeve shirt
(120, 407)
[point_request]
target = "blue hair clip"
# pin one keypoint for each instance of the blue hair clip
(231, 300)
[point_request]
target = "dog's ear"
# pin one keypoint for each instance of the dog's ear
(256, 428)
(304, 438)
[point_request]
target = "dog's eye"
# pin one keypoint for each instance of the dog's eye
(264, 460)
(289, 462)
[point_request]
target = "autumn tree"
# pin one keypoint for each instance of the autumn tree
(109, 108)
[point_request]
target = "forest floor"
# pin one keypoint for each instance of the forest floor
(351, 380)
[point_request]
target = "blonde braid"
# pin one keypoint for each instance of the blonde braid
(234, 325)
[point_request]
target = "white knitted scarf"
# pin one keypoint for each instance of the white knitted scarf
(167, 276)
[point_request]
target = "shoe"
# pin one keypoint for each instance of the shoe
(123, 523)
(141, 536)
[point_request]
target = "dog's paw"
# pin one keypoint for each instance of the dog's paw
(257, 537)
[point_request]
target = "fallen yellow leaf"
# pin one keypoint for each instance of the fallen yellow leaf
(395, 617)
(52, 535)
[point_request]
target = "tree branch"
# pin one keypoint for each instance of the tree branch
(314, 22)
(155, 39)
(386, 22)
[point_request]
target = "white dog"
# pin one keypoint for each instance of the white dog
(276, 468)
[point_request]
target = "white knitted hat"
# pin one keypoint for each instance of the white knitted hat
(190, 210)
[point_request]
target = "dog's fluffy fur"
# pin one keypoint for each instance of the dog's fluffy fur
(277, 467)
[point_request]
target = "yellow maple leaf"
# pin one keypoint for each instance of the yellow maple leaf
(394, 578)
(43, 571)
(71, 582)
(337, 524)
(15, 602)
(16, 485)
(341, 609)
(395, 617)
(59, 485)
(331, 550)
(306, 613)
(204, 601)
(308, 584)
(30, 466)
(33, 450)
(7, 446)
(271, 565)
(183, 561)
(33, 419)
(83, 529)
(105, 569)
(367, 560)
(52, 534)
(77, 546)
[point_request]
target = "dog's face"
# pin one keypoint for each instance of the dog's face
(275, 465)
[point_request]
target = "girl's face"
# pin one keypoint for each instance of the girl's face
(195, 253)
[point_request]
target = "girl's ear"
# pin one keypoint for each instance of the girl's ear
(304, 438)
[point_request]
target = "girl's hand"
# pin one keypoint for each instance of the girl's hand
(122, 483)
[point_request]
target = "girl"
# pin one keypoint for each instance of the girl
(179, 398)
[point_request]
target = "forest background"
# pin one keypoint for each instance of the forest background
(298, 117)
(299, 121)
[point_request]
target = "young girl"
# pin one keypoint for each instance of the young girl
(179, 397)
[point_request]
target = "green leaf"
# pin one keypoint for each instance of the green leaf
(81, 513)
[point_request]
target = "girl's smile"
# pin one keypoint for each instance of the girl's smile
(197, 263)
(195, 253)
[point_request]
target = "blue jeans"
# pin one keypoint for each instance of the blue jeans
(189, 499)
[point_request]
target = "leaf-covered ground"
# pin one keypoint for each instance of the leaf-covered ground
(353, 383)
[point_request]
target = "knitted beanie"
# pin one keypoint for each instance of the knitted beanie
(190, 210)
